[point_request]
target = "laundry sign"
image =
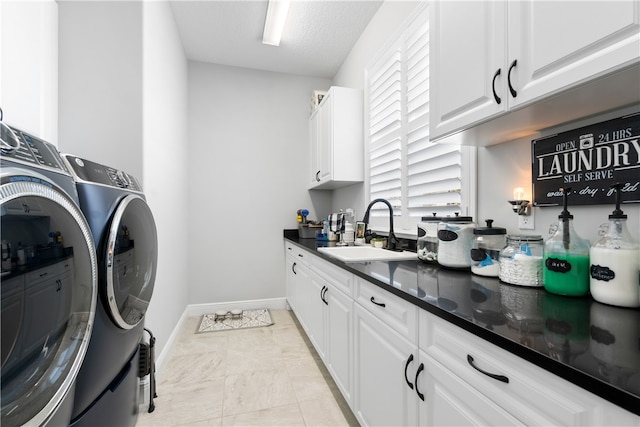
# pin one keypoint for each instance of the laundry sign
(588, 160)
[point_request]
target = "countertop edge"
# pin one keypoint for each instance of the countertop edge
(582, 379)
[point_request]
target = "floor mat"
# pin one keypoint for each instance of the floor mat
(249, 319)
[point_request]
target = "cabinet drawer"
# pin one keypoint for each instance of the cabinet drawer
(46, 273)
(399, 314)
(531, 394)
(299, 255)
(339, 278)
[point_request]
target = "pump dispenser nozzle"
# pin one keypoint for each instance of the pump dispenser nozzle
(617, 213)
(565, 216)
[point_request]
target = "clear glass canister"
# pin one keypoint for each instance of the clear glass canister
(427, 243)
(485, 249)
(521, 260)
(455, 235)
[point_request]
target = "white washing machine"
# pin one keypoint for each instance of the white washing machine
(48, 285)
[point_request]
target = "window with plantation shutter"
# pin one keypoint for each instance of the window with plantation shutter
(418, 177)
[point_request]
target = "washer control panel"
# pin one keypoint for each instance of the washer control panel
(88, 171)
(34, 152)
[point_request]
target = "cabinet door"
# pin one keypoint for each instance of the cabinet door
(381, 362)
(41, 312)
(11, 321)
(450, 401)
(339, 339)
(290, 274)
(314, 289)
(558, 44)
(467, 61)
(314, 137)
(325, 138)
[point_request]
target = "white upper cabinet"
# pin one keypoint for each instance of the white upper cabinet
(337, 143)
(467, 64)
(560, 44)
(494, 57)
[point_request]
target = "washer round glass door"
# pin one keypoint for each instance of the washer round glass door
(131, 260)
(49, 293)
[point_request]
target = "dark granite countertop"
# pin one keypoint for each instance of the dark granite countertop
(592, 345)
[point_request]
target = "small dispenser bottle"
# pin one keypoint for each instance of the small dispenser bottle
(566, 258)
(615, 263)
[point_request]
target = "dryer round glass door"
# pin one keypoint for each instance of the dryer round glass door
(49, 293)
(131, 261)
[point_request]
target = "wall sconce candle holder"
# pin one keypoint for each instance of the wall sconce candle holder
(519, 204)
(521, 207)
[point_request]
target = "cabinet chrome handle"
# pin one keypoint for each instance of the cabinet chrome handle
(420, 369)
(293, 268)
(494, 376)
(493, 86)
(406, 366)
(511, 67)
(318, 176)
(381, 304)
(301, 256)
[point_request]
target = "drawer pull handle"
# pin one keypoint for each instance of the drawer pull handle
(301, 256)
(511, 67)
(323, 292)
(318, 176)
(494, 376)
(406, 366)
(381, 304)
(293, 268)
(43, 274)
(420, 369)
(493, 86)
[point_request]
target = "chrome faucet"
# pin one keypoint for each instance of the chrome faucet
(393, 244)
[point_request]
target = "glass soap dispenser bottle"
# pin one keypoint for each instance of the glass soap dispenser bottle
(615, 263)
(566, 257)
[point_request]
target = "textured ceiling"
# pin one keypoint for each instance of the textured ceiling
(318, 34)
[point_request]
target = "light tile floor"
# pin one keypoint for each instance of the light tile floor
(269, 376)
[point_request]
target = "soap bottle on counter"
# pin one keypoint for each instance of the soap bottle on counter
(615, 263)
(566, 257)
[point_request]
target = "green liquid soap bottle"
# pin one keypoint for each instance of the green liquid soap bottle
(566, 258)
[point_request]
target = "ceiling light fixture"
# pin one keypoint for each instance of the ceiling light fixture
(277, 11)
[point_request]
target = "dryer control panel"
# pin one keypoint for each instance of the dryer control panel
(88, 171)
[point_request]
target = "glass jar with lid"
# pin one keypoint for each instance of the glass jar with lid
(485, 249)
(455, 235)
(521, 260)
(427, 243)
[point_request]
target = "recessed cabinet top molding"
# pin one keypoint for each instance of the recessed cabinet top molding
(543, 63)
(336, 135)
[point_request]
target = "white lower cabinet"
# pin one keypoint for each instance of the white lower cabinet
(450, 401)
(398, 365)
(339, 339)
(384, 364)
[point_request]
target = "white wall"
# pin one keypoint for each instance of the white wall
(505, 166)
(500, 168)
(386, 23)
(164, 147)
(248, 172)
(100, 82)
(29, 66)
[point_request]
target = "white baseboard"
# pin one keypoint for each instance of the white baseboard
(202, 309)
(167, 349)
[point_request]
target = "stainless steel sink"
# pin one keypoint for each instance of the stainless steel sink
(366, 253)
